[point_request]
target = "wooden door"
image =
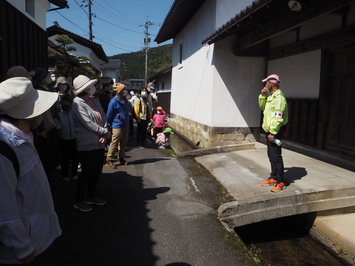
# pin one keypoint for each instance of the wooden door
(341, 113)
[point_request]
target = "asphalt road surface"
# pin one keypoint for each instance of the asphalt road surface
(158, 212)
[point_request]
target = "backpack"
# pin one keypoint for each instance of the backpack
(8, 152)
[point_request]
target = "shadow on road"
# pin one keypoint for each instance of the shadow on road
(117, 233)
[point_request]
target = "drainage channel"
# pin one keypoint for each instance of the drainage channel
(283, 241)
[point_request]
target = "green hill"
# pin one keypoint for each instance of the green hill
(133, 64)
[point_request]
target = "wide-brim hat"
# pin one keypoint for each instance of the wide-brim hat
(19, 71)
(118, 87)
(18, 99)
(60, 80)
(273, 79)
(168, 130)
(40, 75)
(81, 83)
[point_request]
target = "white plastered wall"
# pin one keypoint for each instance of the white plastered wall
(192, 80)
(237, 84)
(212, 86)
(40, 7)
(299, 74)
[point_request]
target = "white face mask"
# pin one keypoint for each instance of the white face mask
(92, 90)
(144, 94)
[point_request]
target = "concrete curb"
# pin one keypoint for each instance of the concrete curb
(219, 149)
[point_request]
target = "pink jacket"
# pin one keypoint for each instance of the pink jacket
(159, 119)
(162, 140)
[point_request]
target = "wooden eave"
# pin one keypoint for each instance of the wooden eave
(265, 19)
(179, 15)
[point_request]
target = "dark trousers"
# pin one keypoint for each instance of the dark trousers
(142, 132)
(46, 150)
(157, 130)
(91, 168)
(68, 152)
(131, 129)
(274, 153)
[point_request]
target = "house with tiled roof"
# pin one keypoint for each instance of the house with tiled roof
(110, 70)
(222, 50)
(84, 47)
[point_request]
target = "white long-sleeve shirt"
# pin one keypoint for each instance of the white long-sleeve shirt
(28, 221)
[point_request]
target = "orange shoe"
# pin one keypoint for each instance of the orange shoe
(278, 187)
(268, 182)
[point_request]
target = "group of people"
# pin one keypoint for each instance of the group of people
(35, 120)
(32, 116)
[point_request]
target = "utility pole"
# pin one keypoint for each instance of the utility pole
(90, 20)
(146, 41)
(90, 14)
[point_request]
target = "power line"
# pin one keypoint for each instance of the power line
(135, 22)
(118, 26)
(113, 15)
(72, 22)
(88, 33)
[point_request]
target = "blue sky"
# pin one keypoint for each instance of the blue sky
(116, 23)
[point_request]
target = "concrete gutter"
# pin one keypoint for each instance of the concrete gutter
(313, 185)
(219, 149)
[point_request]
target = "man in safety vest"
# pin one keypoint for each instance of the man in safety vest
(275, 111)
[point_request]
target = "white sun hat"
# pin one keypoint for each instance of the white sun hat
(18, 99)
(81, 83)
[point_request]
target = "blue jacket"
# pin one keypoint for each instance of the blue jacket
(118, 113)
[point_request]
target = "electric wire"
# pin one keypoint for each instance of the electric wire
(135, 22)
(113, 15)
(88, 33)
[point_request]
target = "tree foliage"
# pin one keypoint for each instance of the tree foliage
(133, 64)
(66, 63)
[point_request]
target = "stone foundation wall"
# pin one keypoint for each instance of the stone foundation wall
(208, 137)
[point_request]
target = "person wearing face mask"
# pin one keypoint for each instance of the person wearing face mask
(275, 119)
(91, 135)
(142, 114)
(62, 87)
(26, 202)
(46, 135)
(67, 140)
(118, 119)
(159, 121)
(105, 97)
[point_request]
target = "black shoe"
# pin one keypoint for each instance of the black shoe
(83, 206)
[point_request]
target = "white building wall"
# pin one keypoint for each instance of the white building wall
(237, 84)
(192, 81)
(299, 74)
(38, 13)
(113, 73)
(212, 86)
(81, 51)
(166, 78)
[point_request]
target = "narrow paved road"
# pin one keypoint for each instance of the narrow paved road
(158, 212)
